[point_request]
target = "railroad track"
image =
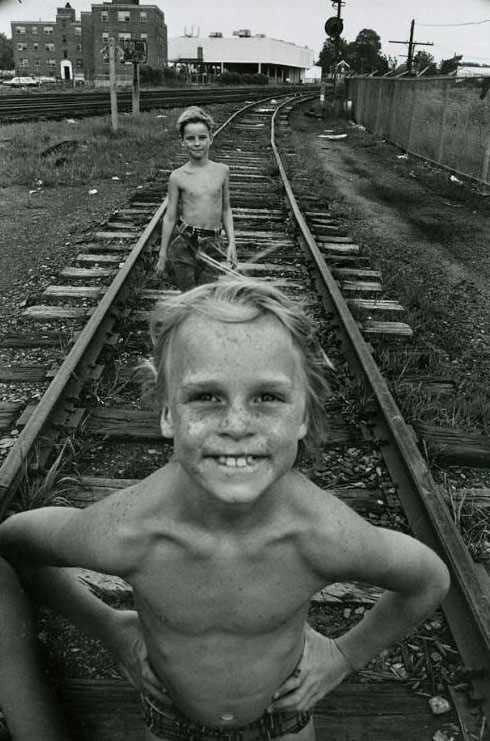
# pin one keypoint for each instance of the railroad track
(90, 332)
(35, 105)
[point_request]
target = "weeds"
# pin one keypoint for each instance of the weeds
(52, 489)
(471, 520)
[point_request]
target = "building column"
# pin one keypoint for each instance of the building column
(259, 67)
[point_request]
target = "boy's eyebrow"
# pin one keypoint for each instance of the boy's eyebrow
(272, 382)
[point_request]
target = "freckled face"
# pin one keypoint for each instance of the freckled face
(236, 407)
(196, 140)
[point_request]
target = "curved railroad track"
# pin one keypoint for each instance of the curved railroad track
(88, 425)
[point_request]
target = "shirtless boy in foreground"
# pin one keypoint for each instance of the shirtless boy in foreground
(198, 207)
(225, 545)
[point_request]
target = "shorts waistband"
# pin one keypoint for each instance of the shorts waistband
(173, 725)
(197, 231)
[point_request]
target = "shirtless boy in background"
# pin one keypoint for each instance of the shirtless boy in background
(198, 207)
(226, 545)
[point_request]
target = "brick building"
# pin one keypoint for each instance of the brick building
(71, 49)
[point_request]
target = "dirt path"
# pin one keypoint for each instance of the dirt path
(429, 235)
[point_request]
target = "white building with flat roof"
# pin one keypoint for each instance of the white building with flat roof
(280, 61)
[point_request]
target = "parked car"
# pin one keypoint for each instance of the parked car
(22, 82)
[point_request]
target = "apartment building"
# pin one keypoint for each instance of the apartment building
(71, 49)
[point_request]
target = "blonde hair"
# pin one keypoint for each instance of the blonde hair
(240, 300)
(194, 114)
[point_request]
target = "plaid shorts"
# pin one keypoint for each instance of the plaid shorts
(171, 724)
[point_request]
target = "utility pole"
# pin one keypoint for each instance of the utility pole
(333, 28)
(112, 82)
(411, 46)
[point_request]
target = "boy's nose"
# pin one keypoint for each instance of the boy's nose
(237, 422)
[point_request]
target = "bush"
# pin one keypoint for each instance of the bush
(237, 78)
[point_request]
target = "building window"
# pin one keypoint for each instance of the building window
(51, 63)
(105, 37)
(25, 62)
(49, 47)
(143, 36)
(123, 16)
(20, 29)
(79, 47)
(33, 29)
(79, 63)
(143, 16)
(65, 54)
(21, 47)
(37, 63)
(63, 39)
(124, 36)
(35, 46)
(104, 16)
(78, 30)
(63, 24)
(48, 30)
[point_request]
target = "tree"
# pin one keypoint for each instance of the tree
(6, 52)
(448, 66)
(333, 51)
(364, 54)
(424, 61)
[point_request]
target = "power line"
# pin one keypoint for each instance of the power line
(453, 25)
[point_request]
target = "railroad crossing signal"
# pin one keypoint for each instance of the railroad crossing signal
(135, 51)
(334, 27)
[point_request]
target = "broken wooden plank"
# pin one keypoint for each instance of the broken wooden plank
(332, 248)
(92, 292)
(53, 313)
(456, 446)
(361, 286)
(103, 236)
(9, 411)
(359, 273)
(375, 328)
(28, 372)
(375, 304)
(73, 273)
(107, 258)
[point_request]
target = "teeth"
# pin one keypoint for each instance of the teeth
(236, 461)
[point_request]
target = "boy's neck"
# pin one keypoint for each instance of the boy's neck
(198, 162)
(205, 510)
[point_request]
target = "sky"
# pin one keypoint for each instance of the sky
(453, 26)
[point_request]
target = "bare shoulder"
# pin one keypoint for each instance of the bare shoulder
(220, 168)
(333, 533)
(120, 527)
(177, 175)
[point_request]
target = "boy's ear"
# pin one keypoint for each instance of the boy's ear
(166, 424)
(303, 428)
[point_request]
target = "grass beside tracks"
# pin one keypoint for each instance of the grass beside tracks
(73, 152)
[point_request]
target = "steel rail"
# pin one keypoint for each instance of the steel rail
(418, 492)
(90, 103)
(17, 457)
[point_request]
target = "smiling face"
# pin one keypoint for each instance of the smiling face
(196, 140)
(236, 406)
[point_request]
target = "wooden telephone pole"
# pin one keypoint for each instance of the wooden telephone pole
(411, 46)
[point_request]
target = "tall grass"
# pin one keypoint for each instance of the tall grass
(88, 150)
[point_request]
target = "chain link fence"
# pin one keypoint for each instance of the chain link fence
(443, 119)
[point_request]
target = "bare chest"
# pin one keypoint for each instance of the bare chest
(196, 185)
(241, 591)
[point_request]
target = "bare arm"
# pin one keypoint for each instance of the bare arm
(169, 220)
(415, 580)
(227, 218)
(67, 536)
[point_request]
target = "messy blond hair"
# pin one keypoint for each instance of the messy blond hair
(236, 300)
(194, 114)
